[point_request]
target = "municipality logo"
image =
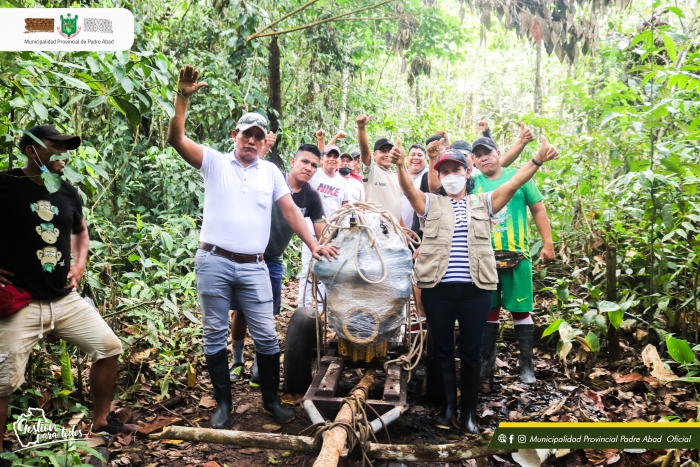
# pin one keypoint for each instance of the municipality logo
(33, 429)
(69, 26)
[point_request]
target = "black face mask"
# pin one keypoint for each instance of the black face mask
(345, 171)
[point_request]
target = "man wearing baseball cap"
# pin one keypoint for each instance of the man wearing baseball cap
(510, 240)
(239, 190)
(381, 184)
(42, 230)
(355, 187)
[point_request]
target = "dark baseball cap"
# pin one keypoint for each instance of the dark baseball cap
(52, 134)
(382, 142)
(355, 154)
(435, 137)
(462, 146)
(486, 142)
(451, 156)
(331, 148)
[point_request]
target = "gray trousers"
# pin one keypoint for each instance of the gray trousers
(218, 280)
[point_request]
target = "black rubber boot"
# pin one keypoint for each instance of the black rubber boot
(449, 384)
(488, 349)
(269, 373)
(217, 364)
(526, 362)
(470, 395)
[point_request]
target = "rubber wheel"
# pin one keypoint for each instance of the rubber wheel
(299, 346)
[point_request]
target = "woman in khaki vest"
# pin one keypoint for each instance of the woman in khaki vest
(456, 268)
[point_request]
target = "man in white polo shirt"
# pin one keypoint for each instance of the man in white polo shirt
(381, 184)
(239, 190)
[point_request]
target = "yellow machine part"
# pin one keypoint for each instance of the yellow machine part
(366, 352)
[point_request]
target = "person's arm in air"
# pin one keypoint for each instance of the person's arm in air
(192, 152)
(339, 135)
(365, 155)
(321, 140)
(79, 243)
(539, 214)
(504, 193)
(526, 136)
(485, 130)
(434, 150)
(414, 195)
(270, 141)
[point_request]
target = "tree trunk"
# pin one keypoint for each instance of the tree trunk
(275, 97)
(455, 452)
(614, 350)
(344, 89)
(538, 80)
(334, 440)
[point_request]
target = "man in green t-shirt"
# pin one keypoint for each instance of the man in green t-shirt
(510, 233)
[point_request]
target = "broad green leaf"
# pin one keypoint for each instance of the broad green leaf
(132, 113)
(667, 216)
(40, 110)
(588, 318)
(606, 307)
(133, 257)
(679, 350)
(36, 140)
(66, 367)
(593, 342)
(127, 84)
(52, 181)
(123, 57)
(72, 81)
(165, 105)
(190, 316)
(99, 170)
(670, 47)
(616, 318)
(61, 157)
(552, 328)
(167, 241)
(73, 175)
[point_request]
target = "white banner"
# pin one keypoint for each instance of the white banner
(66, 29)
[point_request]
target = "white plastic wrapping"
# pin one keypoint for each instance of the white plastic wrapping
(372, 308)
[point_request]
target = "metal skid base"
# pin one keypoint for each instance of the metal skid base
(324, 386)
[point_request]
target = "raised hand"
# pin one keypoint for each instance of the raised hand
(435, 148)
(483, 125)
(187, 83)
(320, 134)
(546, 152)
(446, 139)
(397, 154)
(526, 134)
(362, 120)
(270, 141)
(341, 135)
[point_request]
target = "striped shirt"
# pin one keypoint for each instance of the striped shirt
(458, 266)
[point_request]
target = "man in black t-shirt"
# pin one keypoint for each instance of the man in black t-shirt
(41, 232)
(304, 166)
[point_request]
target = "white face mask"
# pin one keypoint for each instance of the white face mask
(453, 184)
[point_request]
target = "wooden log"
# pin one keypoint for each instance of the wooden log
(239, 438)
(334, 440)
(455, 452)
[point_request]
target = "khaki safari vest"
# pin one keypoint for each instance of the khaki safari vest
(438, 228)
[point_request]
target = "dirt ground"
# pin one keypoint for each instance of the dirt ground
(593, 390)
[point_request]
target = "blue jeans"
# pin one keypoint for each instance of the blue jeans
(276, 272)
(464, 302)
(219, 280)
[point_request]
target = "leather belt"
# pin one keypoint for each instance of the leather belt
(235, 257)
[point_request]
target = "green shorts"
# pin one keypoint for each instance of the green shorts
(514, 291)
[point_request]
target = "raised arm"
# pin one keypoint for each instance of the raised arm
(414, 195)
(503, 194)
(434, 150)
(188, 149)
(321, 140)
(526, 135)
(362, 121)
(339, 135)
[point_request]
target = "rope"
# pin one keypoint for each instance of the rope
(406, 360)
(359, 432)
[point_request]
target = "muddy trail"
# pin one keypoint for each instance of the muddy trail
(587, 389)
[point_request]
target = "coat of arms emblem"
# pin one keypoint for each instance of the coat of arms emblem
(69, 26)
